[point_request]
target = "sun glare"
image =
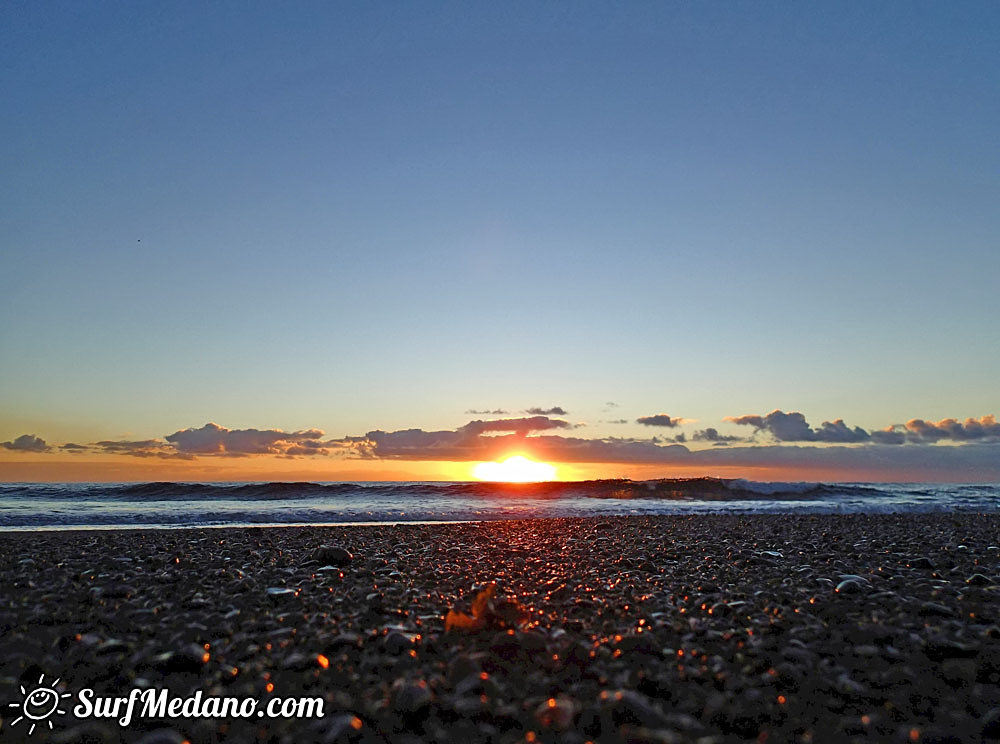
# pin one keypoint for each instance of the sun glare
(515, 469)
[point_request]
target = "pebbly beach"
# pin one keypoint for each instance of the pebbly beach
(705, 628)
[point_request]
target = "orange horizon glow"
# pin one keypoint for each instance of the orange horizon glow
(43, 468)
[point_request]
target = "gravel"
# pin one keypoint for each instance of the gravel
(709, 628)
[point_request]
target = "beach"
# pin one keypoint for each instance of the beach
(698, 628)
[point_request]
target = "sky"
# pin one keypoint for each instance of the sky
(388, 240)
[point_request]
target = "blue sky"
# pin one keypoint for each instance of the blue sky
(353, 216)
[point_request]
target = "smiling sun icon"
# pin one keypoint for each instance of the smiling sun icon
(40, 703)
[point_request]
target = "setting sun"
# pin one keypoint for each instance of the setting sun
(515, 469)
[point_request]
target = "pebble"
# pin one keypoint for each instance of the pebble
(513, 646)
(854, 577)
(114, 591)
(397, 643)
(479, 685)
(947, 649)
(333, 555)
(978, 579)
(344, 640)
(342, 728)
(298, 662)
(189, 658)
(849, 687)
(558, 712)
(959, 671)
(462, 666)
(642, 615)
(110, 646)
(410, 696)
(627, 707)
(849, 586)
(934, 609)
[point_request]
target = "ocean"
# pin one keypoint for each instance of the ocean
(163, 505)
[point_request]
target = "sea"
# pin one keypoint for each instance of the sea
(48, 506)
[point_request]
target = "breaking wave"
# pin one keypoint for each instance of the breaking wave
(46, 506)
(667, 488)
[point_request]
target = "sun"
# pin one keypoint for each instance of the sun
(515, 469)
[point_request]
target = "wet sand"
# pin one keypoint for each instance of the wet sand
(669, 629)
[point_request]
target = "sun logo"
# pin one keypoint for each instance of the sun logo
(40, 702)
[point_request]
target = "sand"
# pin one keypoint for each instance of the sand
(668, 629)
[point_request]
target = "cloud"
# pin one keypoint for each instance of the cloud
(851, 447)
(965, 450)
(27, 443)
(612, 449)
(417, 444)
(977, 462)
(918, 431)
(518, 425)
(838, 431)
(712, 434)
(212, 439)
(142, 448)
(889, 435)
(616, 421)
(793, 427)
(495, 412)
(468, 442)
(984, 428)
(660, 419)
(554, 411)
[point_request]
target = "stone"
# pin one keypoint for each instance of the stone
(629, 708)
(332, 555)
(933, 609)
(113, 591)
(849, 586)
(397, 643)
(959, 671)
(189, 658)
(558, 712)
(410, 696)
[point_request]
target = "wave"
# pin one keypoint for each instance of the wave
(704, 488)
(61, 506)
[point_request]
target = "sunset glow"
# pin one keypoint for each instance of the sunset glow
(515, 469)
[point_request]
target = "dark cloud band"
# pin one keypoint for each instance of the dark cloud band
(659, 419)
(27, 443)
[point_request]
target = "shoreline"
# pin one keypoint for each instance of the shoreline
(709, 627)
(182, 528)
(236, 526)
